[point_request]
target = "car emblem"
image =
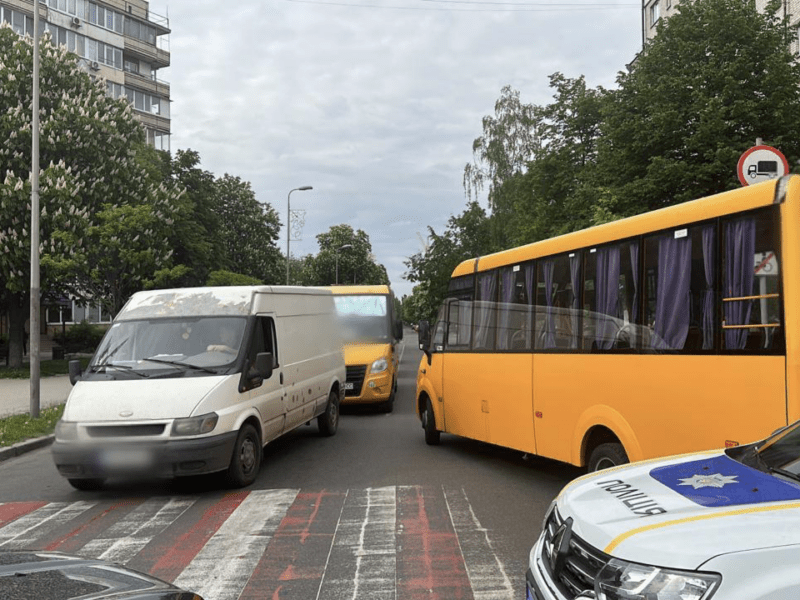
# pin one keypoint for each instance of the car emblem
(126, 413)
(559, 547)
(703, 481)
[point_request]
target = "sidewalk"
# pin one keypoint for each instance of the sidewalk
(15, 394)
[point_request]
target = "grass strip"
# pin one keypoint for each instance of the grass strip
(18, 428)
(46, 369)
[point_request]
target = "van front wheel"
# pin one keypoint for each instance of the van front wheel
(246, 459)
(328, 421)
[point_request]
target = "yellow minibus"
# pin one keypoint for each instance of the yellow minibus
(663, 333)
(371, 331)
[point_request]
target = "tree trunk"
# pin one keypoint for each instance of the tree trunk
(18, 313)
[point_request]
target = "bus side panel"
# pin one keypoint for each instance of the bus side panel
(790, 267)
(469, 382)
(510, 404)
(675, 404)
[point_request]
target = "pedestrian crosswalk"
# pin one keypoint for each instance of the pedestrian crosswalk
(393, 542)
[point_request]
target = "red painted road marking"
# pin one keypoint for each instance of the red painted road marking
(14, 510)
(76, 538)
(429, 561)
(294, 561)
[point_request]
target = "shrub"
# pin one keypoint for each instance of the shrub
(82, 337)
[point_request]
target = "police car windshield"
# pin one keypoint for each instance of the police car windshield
(782, 451)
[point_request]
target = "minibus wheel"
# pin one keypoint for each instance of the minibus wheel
(86, 485)
(432, 434)
(328, 421)
(606, 456)
(246, 459)
(388, 404)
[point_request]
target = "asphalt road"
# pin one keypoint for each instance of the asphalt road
(372, 512)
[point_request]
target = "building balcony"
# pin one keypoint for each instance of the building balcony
(157, 57)
(146, 84)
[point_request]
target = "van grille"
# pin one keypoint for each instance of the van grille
(578, 568)
(355, 375)
(101, 431)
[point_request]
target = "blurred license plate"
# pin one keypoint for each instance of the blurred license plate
(131, 458)
(348, 385)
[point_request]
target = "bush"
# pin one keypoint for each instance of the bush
(80, 338)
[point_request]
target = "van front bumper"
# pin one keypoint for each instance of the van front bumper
(173, 458)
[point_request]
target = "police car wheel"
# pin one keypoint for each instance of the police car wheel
(606, 456)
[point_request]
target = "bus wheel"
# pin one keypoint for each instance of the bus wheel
(246, 459)
(388, 404)
(429, 425)
(328, 422)
(606, 456)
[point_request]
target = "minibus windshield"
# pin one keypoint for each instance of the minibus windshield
(150, 344)
(363, 318)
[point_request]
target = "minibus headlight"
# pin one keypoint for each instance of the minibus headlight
(379, 366)
(66, 431)
(621, 580)
(195, 425)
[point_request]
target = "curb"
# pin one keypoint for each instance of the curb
(26, 446)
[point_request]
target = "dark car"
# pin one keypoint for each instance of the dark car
(55, 576)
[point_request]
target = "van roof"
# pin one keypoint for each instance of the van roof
(227, 300)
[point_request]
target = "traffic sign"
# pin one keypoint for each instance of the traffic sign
(761, 163)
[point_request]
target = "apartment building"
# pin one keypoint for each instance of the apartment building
(120, 41)
(655, 10)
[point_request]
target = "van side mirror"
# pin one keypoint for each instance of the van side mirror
(74, 371)
(398, 330)
(264, 364)
(424, 333)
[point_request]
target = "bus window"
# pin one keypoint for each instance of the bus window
(557, 313)
(485, 312)
(459, 325)
(751, 285)
(514, 313)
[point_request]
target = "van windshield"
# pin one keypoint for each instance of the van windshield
(150, 344)
(363, 318)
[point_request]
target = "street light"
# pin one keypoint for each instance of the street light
(337, 259)
(289, 224)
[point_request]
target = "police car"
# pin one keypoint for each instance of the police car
(716, 524)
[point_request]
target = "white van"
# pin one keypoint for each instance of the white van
(720, 524)
(198, 380)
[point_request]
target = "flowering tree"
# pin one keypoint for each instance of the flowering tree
(103, 219)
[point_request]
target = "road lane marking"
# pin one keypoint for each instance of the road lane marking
(222, 568)
(487, 575)
(24, 531)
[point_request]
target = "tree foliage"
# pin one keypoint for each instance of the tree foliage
(351, 251)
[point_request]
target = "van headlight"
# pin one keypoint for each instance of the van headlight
(195, 425)
(379, 366)
(621, 580)
(66, 431)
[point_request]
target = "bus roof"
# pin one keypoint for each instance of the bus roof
(725, 203)
(352, 290)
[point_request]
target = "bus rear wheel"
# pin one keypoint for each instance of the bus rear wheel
(432, 434)
(606, 456)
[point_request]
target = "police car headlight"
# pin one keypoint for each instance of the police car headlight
(379, 366)
(195, 425)
(620, 580)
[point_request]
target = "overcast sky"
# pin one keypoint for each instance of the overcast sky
(374, 103)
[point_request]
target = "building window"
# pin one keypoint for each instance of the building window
(655, 14)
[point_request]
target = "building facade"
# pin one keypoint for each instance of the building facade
(655, 10)
(120, 41)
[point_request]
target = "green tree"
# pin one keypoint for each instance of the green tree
(88, 144)
(355, 259)
(718, 75)
(249, 232)
(466, 236)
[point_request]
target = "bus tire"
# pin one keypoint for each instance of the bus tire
(388, 404)
(328, 422)
(246, 459)
(606, 456)
(432, 434)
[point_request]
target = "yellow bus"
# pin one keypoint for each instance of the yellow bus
(371, 331)
(663, 333)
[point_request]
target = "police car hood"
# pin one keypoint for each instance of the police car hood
(682, 511)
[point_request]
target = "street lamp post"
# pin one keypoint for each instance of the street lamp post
(289, 224)
(337, 259)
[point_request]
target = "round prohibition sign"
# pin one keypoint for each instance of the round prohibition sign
(761, 163)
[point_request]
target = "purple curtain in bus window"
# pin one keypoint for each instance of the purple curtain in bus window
(549, 319)
(708, 292)
(740, 247)
(634, 250)
(530, 273)
(486, 289)
(507, 277)
(606, 295)
(575, 280)
(672, 292)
